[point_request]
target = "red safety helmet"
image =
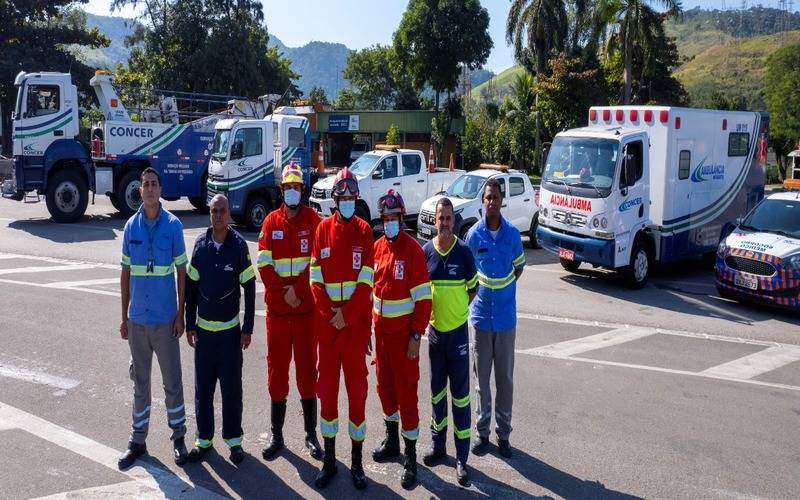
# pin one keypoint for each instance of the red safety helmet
(345, 183)
(391, 203)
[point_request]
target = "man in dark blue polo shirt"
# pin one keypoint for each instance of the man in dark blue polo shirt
(220, 265)
(152, 320)
(497, 248)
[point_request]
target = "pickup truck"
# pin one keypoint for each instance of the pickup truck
(380, 170)
(520, 202)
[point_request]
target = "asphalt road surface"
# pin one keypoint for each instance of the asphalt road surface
(667, 392)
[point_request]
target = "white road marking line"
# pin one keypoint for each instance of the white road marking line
(54, 260)
(73, 288)
(47, 269)
(584, 344)
(165, 482)
(125, 489)
(71, 284)
(756, 364)
(37, 377)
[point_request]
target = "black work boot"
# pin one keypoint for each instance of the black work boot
(179, 451)
(409, 477)
(277, 416)
(434, 456)
(134, 451)
(356, 468)
(390, 447)
(328, 464)
(310, 424)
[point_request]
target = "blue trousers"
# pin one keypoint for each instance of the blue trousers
(218, 356)
(449, 356)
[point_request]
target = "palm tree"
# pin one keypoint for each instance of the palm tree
(521, 111)
(535, 28)
(628, 25)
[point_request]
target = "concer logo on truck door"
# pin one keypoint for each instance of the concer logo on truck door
(146, 133)
(569, 202)
(705, 172)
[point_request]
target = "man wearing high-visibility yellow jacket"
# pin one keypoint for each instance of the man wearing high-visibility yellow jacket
(220, 265)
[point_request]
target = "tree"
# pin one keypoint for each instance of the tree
(393, 135)
(628, 25)
(782, 94)
(536, 28)
(213, 46)
(317, 95)
(347, 99)
(435, 40)
(34, 36)
(373, 74)
(520, 113)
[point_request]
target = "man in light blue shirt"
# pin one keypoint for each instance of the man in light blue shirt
(152, 314)
(499, 257)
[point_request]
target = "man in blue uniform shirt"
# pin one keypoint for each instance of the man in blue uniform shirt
(152, 321)
(220, 265)
(497, 248)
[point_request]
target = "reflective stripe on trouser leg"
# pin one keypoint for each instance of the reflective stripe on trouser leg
(482, 357)
(229, 372)
(458, 372)
(354, 366)
(438, 360)
(328, 380)
(386, 378)
(358, 431)
(167, 349)
(139, 371)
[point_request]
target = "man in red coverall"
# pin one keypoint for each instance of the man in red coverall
(401, 310)
(284, 254)
(341, 282)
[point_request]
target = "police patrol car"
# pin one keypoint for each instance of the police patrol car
(759, 260)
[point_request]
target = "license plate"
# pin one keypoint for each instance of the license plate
(424, 230)
(565, 254)
(746, 281)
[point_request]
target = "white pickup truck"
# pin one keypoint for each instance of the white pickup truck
(520, 202)
(380, 170)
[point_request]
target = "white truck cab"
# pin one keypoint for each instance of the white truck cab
(646, 184)
(520, 202)
(387, 167)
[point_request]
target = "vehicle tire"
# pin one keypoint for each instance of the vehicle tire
(362, 212)
(570, 265)
(67, 196)
(637, 272)
(200, 202)
(257, 209)
(462, 233)
(533, 242)
(128, 196)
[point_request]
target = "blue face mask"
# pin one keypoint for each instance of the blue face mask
(391, 228)
(291, 197)
(347, 208)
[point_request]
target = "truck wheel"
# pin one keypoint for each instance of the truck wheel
(534, 240)
(637, 272)
(570, 265)
(67, 196)
(200, 202)
(127, 194)
(257, 209)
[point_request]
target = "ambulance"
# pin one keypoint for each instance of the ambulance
(642, 185)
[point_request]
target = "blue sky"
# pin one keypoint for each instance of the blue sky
(361, 23)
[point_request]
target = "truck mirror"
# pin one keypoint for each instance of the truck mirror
(236, 150)
(378, 174)
(739, 221)
(543, 158)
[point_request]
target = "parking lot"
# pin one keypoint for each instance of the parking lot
(669, 391)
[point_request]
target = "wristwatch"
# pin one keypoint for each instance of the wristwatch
(416, 336)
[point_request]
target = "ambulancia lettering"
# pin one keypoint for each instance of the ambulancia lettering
(570, 202)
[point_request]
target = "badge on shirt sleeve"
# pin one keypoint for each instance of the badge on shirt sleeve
(356, 260)
(399, 269)
(325, 253)
(277, 235)
(304, 245)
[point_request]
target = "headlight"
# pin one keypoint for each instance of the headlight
(606, 235)
(604, 223)
(595, 222)
(794, 261)
(544, 212)
(721, 247)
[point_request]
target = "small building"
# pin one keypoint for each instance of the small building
(339, 130)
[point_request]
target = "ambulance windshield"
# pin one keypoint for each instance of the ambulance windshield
(582, 162)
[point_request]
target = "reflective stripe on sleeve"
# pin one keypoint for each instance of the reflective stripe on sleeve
(180, 260)
(264, 258)
(421, 292)
(247, 274)
(193, 273)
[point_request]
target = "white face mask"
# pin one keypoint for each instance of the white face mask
(347, 208)
(291, 197)
(391, 228)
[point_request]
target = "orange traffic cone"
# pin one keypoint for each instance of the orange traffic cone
(431, 162)
(321, 159)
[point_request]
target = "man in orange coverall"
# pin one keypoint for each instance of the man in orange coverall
(401, 310)
(284, 254)
(341, 282)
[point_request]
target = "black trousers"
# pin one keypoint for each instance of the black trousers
(218, 356)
